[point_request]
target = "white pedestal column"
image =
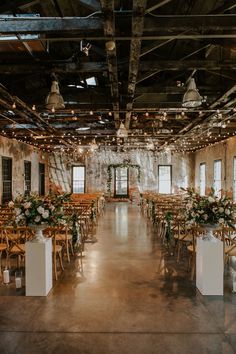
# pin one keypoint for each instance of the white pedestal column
(210, 267)
(38, 265)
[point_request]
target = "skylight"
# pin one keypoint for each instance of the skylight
(91, 81)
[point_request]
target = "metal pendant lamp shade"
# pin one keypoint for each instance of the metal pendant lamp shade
(54, 98)
(192, 98)
(122, 132)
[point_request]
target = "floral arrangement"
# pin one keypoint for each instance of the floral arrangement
(121, 165)
(209, 209)
(37, 210)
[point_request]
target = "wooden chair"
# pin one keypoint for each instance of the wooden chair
(3, 247)
(16, 240)
(56, 249)
(63, 237)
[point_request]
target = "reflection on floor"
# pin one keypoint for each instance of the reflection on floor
(129, 296)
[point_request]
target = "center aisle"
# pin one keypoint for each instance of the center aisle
(130, 297)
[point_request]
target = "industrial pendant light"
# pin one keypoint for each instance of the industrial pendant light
(192, 97)
(54, 99)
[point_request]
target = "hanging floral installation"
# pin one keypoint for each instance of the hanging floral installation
(120, 165)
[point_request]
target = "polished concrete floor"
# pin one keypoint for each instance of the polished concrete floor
(128, 296)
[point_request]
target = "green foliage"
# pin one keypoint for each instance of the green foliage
(120, 165)
(39, 210)
(209, 209)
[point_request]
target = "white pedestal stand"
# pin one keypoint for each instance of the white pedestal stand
(38, 265)
(210, 267)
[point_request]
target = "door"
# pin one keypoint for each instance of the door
(121, 182)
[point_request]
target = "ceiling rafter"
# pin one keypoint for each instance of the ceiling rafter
(214, 22)
(109, 30)
(139, 7)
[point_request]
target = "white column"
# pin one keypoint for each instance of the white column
(38, 265)
(210, 267)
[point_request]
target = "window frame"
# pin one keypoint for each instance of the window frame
(27, 181)
(200, 191)
(72, 179)
(234, 178)
(7, 199)
(171, 180)
(217, 191)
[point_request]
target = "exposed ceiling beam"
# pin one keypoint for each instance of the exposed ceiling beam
(215, 22)
(139, 7)
(109, 30)
(12, 25)
(96, 67)
(97, 37)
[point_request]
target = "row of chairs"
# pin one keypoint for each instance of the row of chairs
(184, 237)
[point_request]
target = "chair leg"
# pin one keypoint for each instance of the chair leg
(71, 248)
(55, 266)
(60, 260)
(67, 251)
(193, 267)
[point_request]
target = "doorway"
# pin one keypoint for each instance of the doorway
(121, 182)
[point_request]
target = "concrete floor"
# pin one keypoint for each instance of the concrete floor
(130, 297)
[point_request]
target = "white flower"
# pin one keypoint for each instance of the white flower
(211, 199)
(19, 218)
(221, 210)
(11, 204)
(27, 213)
(27, 205)
(40, 210)
(193, 214)
(227, 211)
(18, 211)
(37, 219)
(62, 221)
(52, 207)
(45, 215)
(201, 211)
(221, 221)
(205, 216)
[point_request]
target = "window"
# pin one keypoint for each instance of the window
(27, 174)
(202, 178)
(41, 179)
(121, 181)
(6, 179)
(164, 180)
(217, 177)
(234, 180)
(78, 179)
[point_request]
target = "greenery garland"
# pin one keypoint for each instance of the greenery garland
(120, 165)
